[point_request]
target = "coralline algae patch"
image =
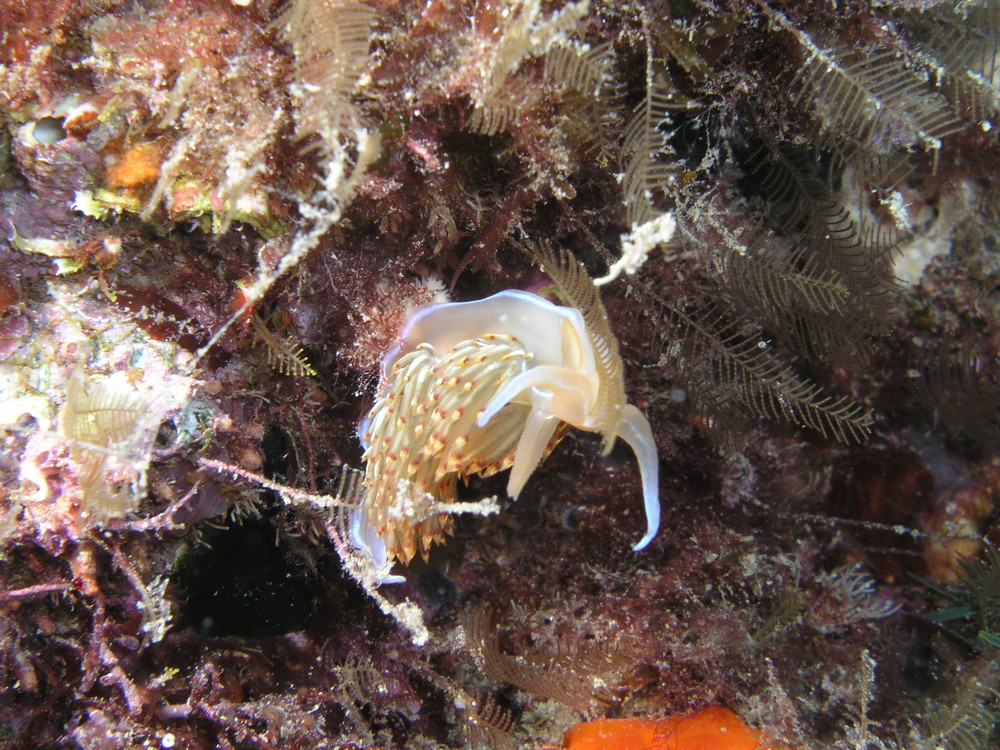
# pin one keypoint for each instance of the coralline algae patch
(713, 728)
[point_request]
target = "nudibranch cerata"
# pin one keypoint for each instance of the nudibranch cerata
(479, 387)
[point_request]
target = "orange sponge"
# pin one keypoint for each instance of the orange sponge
(137, 167)
(611, 734)
(714, 728)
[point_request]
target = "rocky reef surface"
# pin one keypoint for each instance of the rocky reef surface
(215, 217)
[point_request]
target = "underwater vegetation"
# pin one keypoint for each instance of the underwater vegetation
(768, 229)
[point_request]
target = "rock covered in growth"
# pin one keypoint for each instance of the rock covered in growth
(215, 217)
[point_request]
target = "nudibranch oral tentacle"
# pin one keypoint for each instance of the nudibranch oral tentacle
(558, 388)
(536, 436)
(479, 387)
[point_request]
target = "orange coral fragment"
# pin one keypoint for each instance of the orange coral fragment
(714, 728)
(137, 167)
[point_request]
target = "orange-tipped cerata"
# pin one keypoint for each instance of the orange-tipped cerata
(714, 728)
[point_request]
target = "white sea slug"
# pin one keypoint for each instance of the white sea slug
(479, 387)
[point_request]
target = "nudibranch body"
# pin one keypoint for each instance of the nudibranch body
(479, 387)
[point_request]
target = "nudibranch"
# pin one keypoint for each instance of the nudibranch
(479, 387)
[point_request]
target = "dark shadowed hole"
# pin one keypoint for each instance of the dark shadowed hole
(244, 583)
(436, 588)
(166, 436)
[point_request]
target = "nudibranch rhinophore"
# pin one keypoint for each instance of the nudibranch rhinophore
(479, 387)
